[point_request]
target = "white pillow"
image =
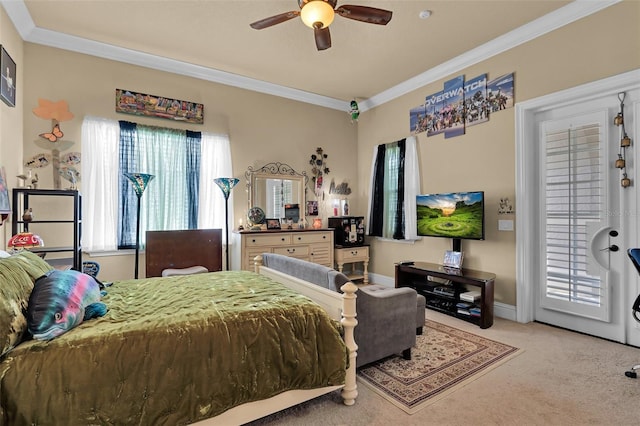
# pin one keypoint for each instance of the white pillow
(4, 254)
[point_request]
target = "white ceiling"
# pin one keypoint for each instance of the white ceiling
(211, 39)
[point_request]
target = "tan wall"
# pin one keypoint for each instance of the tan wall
(262, 128)
(593, 48)
(10, 118)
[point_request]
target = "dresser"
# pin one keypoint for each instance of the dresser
(313, 245)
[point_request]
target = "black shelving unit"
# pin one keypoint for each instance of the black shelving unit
(21, 202)
(442, 287)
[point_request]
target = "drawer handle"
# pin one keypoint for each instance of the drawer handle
(355, 252)
(281, 239)
(291, 250)
(253, 241)
(299, 238)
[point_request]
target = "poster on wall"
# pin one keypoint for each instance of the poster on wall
(434, 103)
(475, 101)
(128, 102)
(418, 119)
(453, 107)
(500, 93)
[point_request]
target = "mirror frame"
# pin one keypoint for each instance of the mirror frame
(276, 170)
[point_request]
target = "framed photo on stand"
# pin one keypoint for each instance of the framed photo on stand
(273, 223)
(452, 259)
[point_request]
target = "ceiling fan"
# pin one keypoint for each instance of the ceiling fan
(319, 14)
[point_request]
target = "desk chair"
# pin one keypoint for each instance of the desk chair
(634, 255)
(183, 252)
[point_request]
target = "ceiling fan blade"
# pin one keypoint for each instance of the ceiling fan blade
(273, 20)
(367, 14)
(323, 38)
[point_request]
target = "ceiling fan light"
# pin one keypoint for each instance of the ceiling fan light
(317, 14)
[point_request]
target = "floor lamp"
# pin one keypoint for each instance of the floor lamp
(139, 182)
(226, 185)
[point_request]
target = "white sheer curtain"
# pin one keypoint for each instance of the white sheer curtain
(215, 163)
(99, 168)
(411, 188)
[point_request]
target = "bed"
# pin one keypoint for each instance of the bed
(216, 348)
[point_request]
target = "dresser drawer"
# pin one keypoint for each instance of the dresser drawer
(293, 251)
(352, 254)
(268, 240)
(311, 237)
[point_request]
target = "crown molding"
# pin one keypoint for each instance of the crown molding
(19, 15)
(534, 29)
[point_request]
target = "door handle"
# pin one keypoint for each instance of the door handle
(612, 247)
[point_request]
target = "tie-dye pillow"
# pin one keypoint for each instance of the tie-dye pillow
(60, 301)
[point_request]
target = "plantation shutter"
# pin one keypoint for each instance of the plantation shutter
(573, 187)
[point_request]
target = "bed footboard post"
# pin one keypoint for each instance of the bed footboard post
(257, 262)
(349, 322)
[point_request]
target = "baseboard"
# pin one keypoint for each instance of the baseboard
(500, 310)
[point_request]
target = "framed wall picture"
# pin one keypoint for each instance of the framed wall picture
(8, 83)
(273, 223)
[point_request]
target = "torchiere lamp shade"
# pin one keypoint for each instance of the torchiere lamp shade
(139, 181)
(226, 185)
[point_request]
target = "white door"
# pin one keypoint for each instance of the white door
(581, 251)
(572, 209)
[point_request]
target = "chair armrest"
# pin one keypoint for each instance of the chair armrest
(386, 321)
(384, 305)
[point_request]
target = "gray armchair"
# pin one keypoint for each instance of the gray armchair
(388, 318)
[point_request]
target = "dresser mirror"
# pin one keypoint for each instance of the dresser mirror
(278, 190)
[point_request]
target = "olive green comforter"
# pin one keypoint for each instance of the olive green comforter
(174, 351)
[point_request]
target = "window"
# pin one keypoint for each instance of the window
(182, 195)
(395, 183)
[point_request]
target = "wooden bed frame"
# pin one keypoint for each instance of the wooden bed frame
(183, 249)
(341, 307)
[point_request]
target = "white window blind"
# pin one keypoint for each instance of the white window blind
(574, 198)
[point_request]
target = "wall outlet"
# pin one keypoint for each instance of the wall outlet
(505, 225)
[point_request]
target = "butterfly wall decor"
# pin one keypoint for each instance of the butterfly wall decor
(54, 135)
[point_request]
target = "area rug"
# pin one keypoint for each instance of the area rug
(444, 360)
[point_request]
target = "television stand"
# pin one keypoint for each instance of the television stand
(442, 287)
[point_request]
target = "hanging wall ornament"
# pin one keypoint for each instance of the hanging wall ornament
(625, 142)
(354, 111)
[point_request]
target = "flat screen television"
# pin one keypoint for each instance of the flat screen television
(456, 215)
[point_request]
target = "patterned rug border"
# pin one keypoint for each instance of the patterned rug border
(453, 382)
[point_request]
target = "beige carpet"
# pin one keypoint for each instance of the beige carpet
(444, 360)
(560, 379)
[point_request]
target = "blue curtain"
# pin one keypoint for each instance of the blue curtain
(398, 225)
(193, 175)
(376, 220)
(127, 204)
